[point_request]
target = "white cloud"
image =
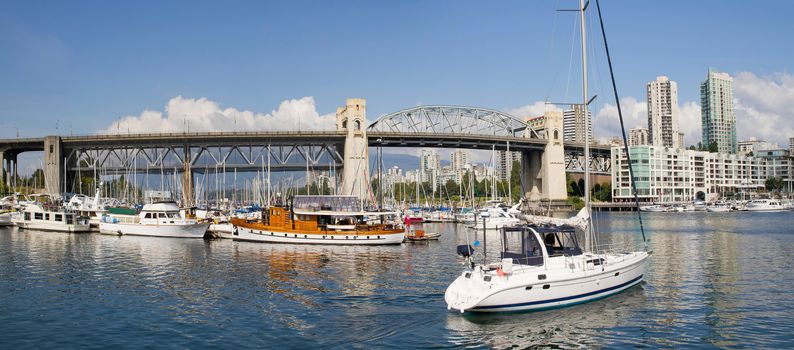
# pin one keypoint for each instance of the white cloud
(205, 115)
(765, 106)
(606, 122)
(689, 122)
(533, 110)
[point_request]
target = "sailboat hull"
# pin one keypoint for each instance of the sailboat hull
(526, 291)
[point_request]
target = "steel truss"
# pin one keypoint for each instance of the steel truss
(172, 158)
(453, 120)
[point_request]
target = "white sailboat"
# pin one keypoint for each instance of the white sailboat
(544, 266)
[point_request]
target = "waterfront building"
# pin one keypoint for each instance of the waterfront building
(778, 163)
(717, 113)
(670, 175)
(662, 95)
(639, 137)
(753, 145)
(791, 145)
(573, 125)
(681, 140)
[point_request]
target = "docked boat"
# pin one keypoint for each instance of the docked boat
(494, 217)
(542, 267)
(719, 207)
(765, 205)
(421, 235)
(45, 217)
(654, 208)
(336, 220)
(92, 208)
(161, 219)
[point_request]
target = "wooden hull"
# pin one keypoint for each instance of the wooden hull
(334, 238)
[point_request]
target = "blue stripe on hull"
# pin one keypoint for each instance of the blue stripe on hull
(626, 284)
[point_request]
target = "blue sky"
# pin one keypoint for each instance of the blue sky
(88, 63)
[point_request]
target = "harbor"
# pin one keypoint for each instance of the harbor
(240, 294)
(367, 176)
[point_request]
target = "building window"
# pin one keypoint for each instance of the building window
(344, 124)
(358, 125)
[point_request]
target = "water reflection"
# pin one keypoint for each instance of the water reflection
(714, 280)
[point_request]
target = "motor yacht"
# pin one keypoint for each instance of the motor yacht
(160, 219)
(765, 205)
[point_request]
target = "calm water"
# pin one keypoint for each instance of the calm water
(715, 280)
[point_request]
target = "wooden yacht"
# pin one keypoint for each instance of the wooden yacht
(321, 220)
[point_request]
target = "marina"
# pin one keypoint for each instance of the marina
(442, 211)
(728, 291)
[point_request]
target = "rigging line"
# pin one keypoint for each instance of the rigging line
(570, 59)
(549, 57)
(622, 127)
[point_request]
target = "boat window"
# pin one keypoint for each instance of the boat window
(27, 216)
(69, 219)
(47, 216)
(173, 215)
(561, 243)
(37, 216)
(522, 246)
(58, 217)
(161, 215)
(148, 216)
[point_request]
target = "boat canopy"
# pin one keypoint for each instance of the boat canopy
(326, 203)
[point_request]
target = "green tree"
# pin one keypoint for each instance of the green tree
(713, 148)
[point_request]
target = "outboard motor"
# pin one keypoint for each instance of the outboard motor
(465, 250)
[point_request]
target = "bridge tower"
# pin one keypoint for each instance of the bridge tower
(543, 175)
(355, 175)
(53, 165)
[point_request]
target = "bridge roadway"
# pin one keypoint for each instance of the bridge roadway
(285, 145)
(263, 138)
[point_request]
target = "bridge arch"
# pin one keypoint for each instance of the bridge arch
(448, 119)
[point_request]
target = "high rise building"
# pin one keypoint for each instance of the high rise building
(573, 125)
(638, 137)
(504, 164)
(429, 165)
(716, 110)
(459, 160)
(663, 112)
(791, 144)
(680, 140)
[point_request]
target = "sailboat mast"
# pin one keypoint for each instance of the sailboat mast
(586, 124)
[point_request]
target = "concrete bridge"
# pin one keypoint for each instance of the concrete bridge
(545, 159)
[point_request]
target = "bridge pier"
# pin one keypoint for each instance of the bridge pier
(543, 175)
(187, 179)
(355, 169)
(53, 165)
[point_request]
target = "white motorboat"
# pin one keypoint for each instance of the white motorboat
(535, 276)
(718, 209)
(161, 219)
(654, 208)
(699, 205)
(5, 218)
(494, 217)
(765, 205)
(92, 208)
(46, 218)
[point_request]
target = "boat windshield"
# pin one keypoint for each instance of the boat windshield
(560, 240)
(521, 245)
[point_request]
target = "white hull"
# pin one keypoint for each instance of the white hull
(718, 209)
(52, 226)
(224, 230)
(766, 209)
(247, 234)
(524, 290)
(178, 231)
(5, 219)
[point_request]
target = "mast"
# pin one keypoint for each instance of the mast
(588, 234)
